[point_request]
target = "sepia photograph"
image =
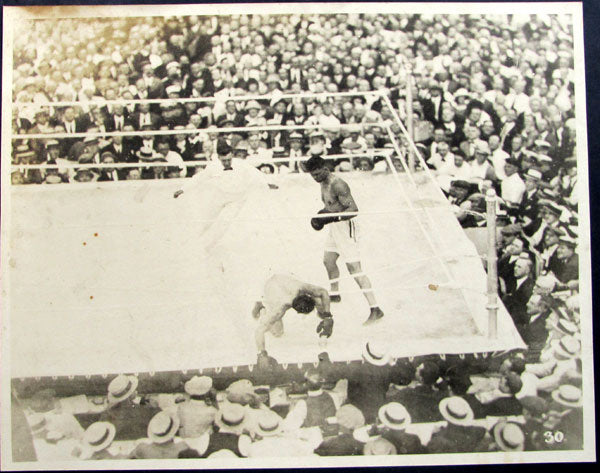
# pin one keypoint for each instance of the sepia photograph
(295, 235)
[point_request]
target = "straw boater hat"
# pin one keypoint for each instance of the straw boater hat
(241, 391)
(37, 423)
(350, 417)
(566, 347)
(376, 353)
(146, 154)
(268, 423)
(231, 418)
(482, 147)
(121, 388)
(565, 326)
(163, 427)
(295, 136)
(509, 436)
(198, 385)
(533, 174)
(567, 395)
(456, 410)
(252, 104)
(379, 446)
(53, 179)
(99, 435)
(394, 416)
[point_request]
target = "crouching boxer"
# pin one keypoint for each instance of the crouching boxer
(281, 293)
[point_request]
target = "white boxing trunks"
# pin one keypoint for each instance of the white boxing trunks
(343, 240)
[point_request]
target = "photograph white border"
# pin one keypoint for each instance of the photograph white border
(11, 15)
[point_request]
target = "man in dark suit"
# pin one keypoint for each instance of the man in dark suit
(566, 265)
(505, 402)
(145, 117)
(121, 149)
(108, 174)
(529, 207)
(84, 121)
(154, 86)
(518, 292)
(393, 420)
(116, 121)
(422, 399)
(348, 418)
(432, 106)
(460, 435)
(506, 262)
(231, 115)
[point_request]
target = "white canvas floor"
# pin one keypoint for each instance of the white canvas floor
(121, 277)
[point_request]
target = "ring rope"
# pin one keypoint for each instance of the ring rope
(236, 98)
(192, 163)
(410, 204)
(186, 131)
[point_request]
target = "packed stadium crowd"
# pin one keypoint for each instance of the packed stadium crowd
(493, 107)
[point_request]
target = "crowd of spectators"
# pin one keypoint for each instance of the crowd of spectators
(503, 79)
(383, 407)
(493, 105)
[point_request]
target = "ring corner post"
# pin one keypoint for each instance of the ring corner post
(492, 269)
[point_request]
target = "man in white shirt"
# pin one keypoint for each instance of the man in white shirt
(295, 152)
(513, 186)
(458, 169)
(327, 119)
(441, 156)
(170, 156)
(498, 156)
(481, 169)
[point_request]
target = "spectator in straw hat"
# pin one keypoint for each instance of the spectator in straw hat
(503, 400)
(566, 268)
(529, 207)
(97, 439)
(393, 421)
(508, 437)
(108, 174)
(233, 424)
(422, 398)
(349, 418)
(242, 392)
(38, 425)
(161, 431)
(197, 414)
(534, 411)
(129, 417)
(271, 440)
(379, 446)
(566, 413)
(319, 403)
(368, 387)
(540, 314)
(459, 435)
(558, 364)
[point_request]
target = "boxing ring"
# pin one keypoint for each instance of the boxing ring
(121, 277)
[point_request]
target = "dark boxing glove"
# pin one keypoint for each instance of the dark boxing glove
(265, 362)
(319, 222)
(325, 327)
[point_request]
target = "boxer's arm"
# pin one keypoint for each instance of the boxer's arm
(263, 327)
(321, 297)
(341, 190)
